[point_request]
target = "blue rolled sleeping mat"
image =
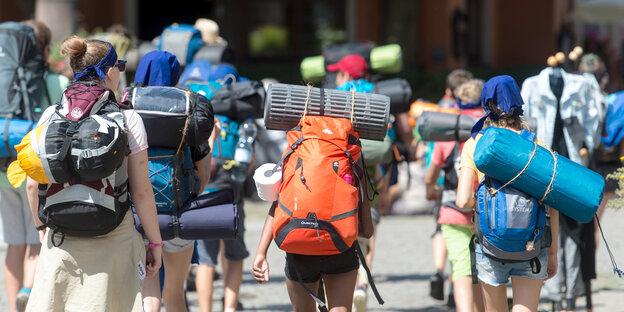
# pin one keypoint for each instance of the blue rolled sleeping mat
(576, 191)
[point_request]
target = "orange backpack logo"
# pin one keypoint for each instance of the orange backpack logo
(317, 211)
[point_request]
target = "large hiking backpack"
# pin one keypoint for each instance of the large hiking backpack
(318, 205)
(322, 152)
(83, 147)
(510, 224)
(22, 84)
(182, 41)
(173, 117)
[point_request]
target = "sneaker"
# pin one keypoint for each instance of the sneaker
(437, 286)
(359, 300)
(451, 301)
(22, 299)
(239, 305)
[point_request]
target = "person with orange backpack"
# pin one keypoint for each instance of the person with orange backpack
(319, 237)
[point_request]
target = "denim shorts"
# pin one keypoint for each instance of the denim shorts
(496, 273)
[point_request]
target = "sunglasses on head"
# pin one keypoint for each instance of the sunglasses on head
(121, 65)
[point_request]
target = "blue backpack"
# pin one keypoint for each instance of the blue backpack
(202, 70)
(182, 41)
(510, 225)
(173, 177)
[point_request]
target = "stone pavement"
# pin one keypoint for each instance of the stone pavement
(401, 266)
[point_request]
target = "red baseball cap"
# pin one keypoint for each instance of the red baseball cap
(352, 64)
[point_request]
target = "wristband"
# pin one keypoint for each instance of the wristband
(151, 245)
(41, 227)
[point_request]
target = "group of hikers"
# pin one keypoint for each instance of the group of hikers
(85, 230)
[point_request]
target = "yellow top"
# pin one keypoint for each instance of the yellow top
(467, 155)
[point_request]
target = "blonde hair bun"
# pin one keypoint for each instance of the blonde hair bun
(74, 47)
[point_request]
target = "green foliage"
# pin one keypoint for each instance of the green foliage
(268, 40)
(617, 201)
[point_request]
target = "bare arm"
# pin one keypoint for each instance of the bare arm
(465, 187)
(261, 265)
(32, 191)
(431, 182)
(552, 251)
(267, 233)
(404, 130)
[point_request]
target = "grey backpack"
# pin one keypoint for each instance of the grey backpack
(22, 73)
(22, 86)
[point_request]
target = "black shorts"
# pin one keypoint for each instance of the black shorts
(311, 267)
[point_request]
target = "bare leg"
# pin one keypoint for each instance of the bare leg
(439, 252)
(495, 298)
(477, 296)
(300, 299)
(151, 293)
(526, 293)
(30, 264)
(204, 282)
(176, 266)
(339, 290)
(463, 293)
(232, 279)
(14, 271)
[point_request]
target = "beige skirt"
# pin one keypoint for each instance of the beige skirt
(90, 273)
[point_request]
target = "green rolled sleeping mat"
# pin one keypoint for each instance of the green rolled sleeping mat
(387, 59)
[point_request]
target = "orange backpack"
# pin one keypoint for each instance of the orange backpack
(317, 211)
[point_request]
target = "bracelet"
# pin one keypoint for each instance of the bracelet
(151, 245)
(41, 227)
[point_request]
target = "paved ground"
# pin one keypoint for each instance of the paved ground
(402, 266)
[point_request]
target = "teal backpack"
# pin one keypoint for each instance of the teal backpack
(173, 177)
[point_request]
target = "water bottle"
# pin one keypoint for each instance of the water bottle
(244, 149)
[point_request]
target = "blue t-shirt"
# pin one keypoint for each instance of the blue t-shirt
(361, 85)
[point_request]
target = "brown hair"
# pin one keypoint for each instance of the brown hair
(505, 120)
(456, 78)
(42, 34)
(83, 52)
(469, 91)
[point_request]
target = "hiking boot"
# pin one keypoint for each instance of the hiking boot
(436, 286)
(359, 299)
(22, 299)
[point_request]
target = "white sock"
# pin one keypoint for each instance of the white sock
(229, 310)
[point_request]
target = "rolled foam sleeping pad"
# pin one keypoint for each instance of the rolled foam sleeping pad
(209, 216)
(576, 191)
(285, 105)
(438, 126)
(214, 222)
(399, 91)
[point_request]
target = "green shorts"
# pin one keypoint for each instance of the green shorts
(457, 238)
